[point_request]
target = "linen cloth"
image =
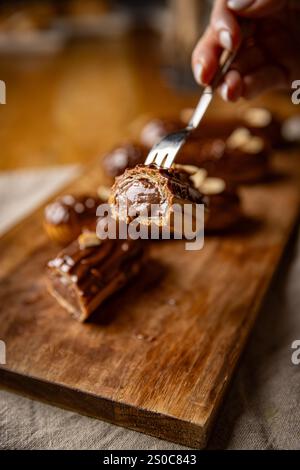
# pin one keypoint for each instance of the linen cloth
(262, 407)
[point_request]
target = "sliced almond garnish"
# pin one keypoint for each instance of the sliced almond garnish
(88, 239)
(254, 145)
(212, 186)
(239, 137)
(191, 169)
(258, 117)
(103, 192)
(199, 177)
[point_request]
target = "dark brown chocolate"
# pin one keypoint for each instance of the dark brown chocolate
(232, 164)
(157, 128)
(224, 210)
(259, 121)
(124, 156)
(81, 277)
(207, 147)
(68, 215)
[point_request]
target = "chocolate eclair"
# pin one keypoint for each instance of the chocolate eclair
(89, 270)
(68, 215)
(223, 204)
(241, 158)
(149, 194)
(124, 156)
(220, 198)
(225, 148)
(260, 122)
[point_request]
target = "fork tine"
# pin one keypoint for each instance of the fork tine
(164, 153)
(151, 157)
(160, 157)
(170, 158)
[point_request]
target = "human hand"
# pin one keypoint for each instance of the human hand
(269, 59)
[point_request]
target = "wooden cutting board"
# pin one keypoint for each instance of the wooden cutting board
(158, 356)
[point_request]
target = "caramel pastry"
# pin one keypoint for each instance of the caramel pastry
(68, 215)
(148, 194)
(156, 129)
(124, 156)
(220, 197)
(89, 270)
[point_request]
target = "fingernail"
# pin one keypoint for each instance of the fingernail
(225, 39)
(198, 71)
(224, 91)
(239, 4)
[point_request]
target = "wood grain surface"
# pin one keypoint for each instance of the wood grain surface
(156, 357)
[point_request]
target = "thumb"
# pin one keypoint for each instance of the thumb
(255, 8)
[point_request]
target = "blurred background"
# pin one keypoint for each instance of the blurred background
(79, 72)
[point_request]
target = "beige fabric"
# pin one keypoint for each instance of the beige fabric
(262, 407)
(24, 190)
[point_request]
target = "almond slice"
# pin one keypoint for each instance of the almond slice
(191, 169)
(239, 137)
(198, 178)
(212, 186)
(103, 192)
(88, 239)
(254, 145)
(258, 117)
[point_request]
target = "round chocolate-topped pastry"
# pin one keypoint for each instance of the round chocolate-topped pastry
(158, 128)
(124, 156)
(68, 215)
(220, 197)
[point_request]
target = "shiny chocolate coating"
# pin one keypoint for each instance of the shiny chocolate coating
(231, 164)
(81, 278)
(65, 218)
(124, 156)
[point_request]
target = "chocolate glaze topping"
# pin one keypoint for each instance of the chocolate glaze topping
(70, 209)
(90, 269)
(124, 156)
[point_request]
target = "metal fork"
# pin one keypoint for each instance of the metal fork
(164, 152)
